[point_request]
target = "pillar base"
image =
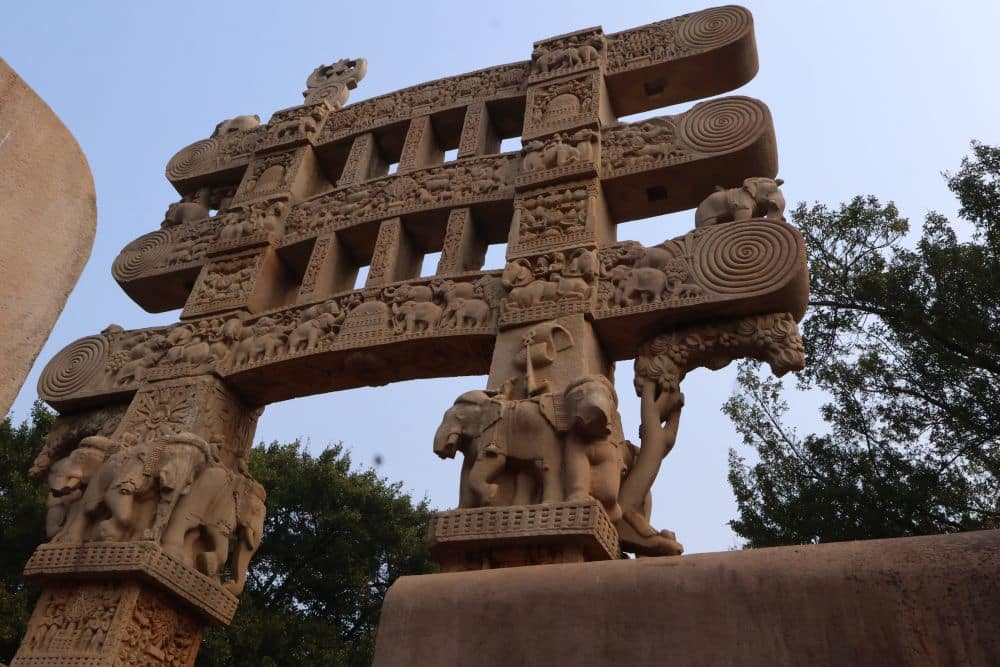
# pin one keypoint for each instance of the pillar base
(913, 601)
(483, 538)
(116, 604)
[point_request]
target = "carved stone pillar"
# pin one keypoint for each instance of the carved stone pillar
(420, 149)
(478, 135)
(464, 249)
(395, 257)
(363, 160)
(135, 567)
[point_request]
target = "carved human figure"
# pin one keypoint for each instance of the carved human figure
(758, 198)
(69, 477)
(137, 486)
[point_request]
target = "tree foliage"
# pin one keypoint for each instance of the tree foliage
(334, 541)
(904, 338)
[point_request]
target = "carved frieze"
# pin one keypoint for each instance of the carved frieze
(562, 104)
(455, 184)
(269, 175)
(548, 286)
(677, 37)
(503, 81)
(224, 285)
(722, 262)
(555, 217)
(577, 51)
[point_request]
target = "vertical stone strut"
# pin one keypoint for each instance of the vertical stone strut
(153, 514)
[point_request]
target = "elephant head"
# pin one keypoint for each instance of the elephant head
(591, 407)
(69, 476)
(767, 196)
(464, 421)
(250, 514)
(185, 455)
(517, 274)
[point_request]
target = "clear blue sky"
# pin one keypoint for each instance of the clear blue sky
(867, 97)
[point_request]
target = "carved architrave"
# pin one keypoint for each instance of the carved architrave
(455, 184)
(491, 83)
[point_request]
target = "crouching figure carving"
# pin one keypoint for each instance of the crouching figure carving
(758, 198)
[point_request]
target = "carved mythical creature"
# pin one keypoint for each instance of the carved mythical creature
(137, 486)
(758, 198)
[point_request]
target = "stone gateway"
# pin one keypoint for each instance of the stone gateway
(154, 515)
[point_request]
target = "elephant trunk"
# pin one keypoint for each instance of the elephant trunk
(446, 441)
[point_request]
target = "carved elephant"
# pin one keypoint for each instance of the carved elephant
(594, 453)
(416, 316)
(308, 334)
(220, 503)
(758, 198)
(237, 124)
(642, 285)
(135, 486)
(471, 313)
(478, 424)
(181, 212)
(69, 477)
(525, 439)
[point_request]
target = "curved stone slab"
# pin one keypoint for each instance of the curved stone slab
(46, 229)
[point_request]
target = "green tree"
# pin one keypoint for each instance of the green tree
(334, 541)
(904, 338)
(22, 523)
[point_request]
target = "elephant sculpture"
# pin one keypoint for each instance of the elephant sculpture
(642, 285)
(223, 509)
(758, 198)
(541, 449)
(136, 487)
(416, 316)
(308, 334)
(181, 212)
(69, 477)
(237, 124)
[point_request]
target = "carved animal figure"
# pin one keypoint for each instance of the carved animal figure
(219, 504)
(181, 212)
(416, 316)
(593, 455)
(758, 198)
(471, 312)
(642, 285)
(514, 449)
(308, 334)
(137, 486)
(237, 124)
(477, 425)
(69, 477)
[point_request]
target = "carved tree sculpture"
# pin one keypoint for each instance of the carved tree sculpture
(153, 513)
